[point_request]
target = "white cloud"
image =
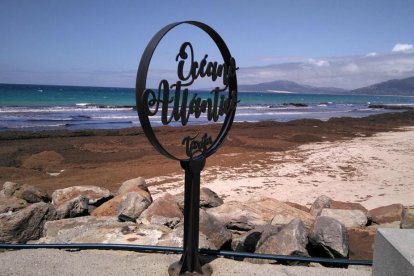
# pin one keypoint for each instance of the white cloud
(372, 54)
(319, 62)
(404, 48)
(343, 72)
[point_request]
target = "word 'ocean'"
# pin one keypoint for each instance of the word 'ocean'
(183, 107)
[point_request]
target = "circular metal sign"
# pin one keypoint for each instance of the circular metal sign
(172, 102)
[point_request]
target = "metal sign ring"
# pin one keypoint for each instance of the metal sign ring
(141, 87)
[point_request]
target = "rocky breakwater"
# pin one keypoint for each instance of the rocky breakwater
(88, 214)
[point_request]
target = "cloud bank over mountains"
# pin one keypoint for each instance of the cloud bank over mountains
(343, 72)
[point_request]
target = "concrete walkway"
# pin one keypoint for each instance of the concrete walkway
(93, 262)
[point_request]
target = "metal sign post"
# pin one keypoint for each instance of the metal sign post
(176, 105)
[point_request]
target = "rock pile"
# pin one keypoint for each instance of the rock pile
(85, 214)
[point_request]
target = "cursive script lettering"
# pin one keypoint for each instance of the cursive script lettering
(202, 69)
(193, 146)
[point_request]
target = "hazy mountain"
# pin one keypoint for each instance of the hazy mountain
(290, 86)
(404, 87)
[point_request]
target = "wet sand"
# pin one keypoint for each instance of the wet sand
(304, 158)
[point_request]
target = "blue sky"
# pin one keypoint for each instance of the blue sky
(328, 43)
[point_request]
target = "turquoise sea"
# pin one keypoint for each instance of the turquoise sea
(44, 107)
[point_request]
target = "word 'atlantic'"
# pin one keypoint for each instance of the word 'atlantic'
(183, 106)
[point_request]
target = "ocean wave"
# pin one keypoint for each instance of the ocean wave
(35, 109)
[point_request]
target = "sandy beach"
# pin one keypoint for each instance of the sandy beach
(367, 160)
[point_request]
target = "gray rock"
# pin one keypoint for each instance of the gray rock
(329, 238)
(96, 195)
(137, 185)
(131, 206)
(249, 241)
(257, 211)
(407, 221)
(350, 218)
(26, 224)
(291, 240)
(26, 192)
(101, 230)
(73, 208)
(320, 203)
(208, 199)
(214, 230)
(11, 204)
(163, 211)
(175, 239)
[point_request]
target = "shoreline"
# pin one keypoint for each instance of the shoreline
(57, 159)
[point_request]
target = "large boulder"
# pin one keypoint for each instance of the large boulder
(96, 195)
(350, 218)
(386, 214)
(26, 224)
(214, 230)
(131, 206)
(25, 192)
(249, 241)
(361, 243)
(101, 230)
(208, 199)
(320, 203)
(11, 204)
(163, 211)
(347, 206)
(109, 208)
(329, 238)
(298, 206)
(407, 221)
(212, 234)
(291, 240)
(73, 208)
(137, 185)
(45, 160)
(258, 211)
(175, 238)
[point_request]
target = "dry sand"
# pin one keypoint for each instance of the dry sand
(373, 171)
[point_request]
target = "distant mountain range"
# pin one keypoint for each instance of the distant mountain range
(404, 87)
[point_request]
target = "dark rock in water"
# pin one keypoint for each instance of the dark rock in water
(320, 203)
(291, 240)
(249, 241)
(328, 238)
(386, 214)
(392, 106)
(361, 243)
(26, 224)
(407, 221)
(96, 195)
(295, 104)
(163, 211)
(73, 208)
(23, 191)
(131, 206)
(137, 185)
(208, 199)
